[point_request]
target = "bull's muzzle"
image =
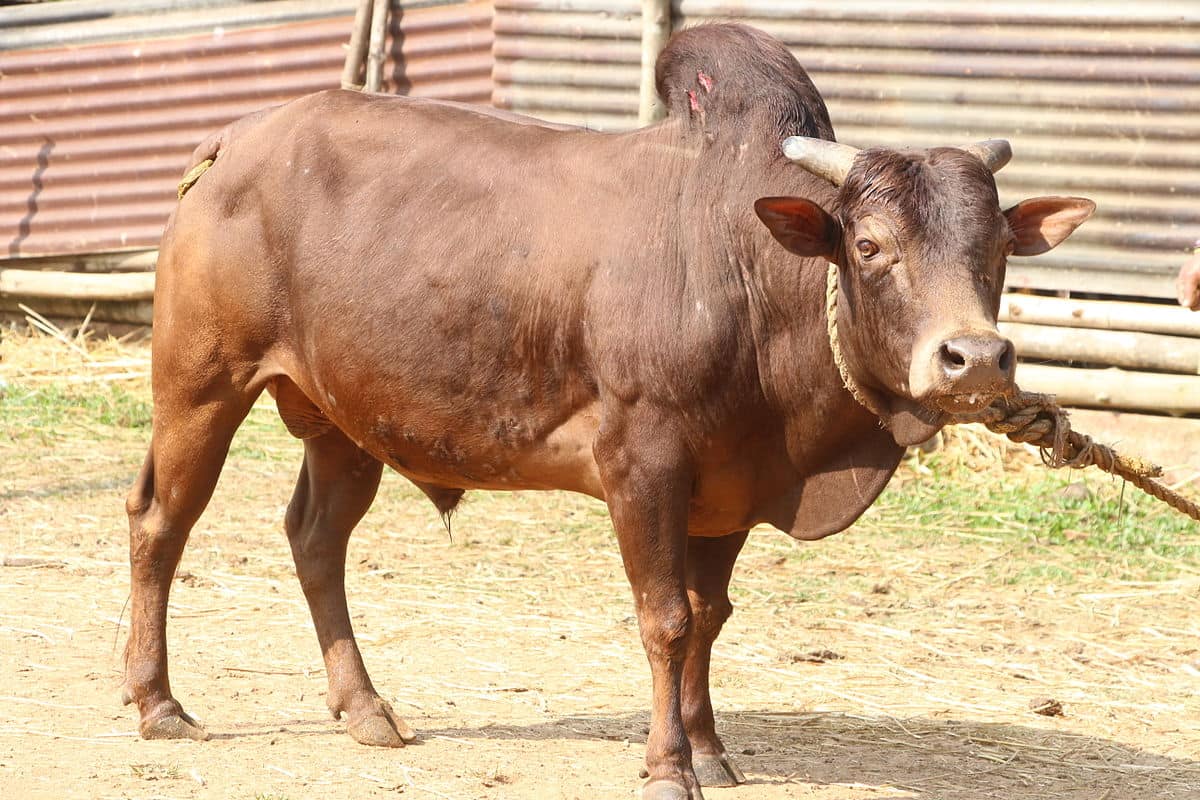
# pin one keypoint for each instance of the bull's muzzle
(972, 369)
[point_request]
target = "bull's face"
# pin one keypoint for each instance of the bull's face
(921, 244)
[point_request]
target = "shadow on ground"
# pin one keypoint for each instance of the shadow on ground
(927, 758)
(72, 487)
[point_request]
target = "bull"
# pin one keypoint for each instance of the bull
(639, 317)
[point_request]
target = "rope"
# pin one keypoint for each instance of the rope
(831, 297)
(1029, 418)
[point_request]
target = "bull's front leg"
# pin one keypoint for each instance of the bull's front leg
(647, 483)
(709, 567)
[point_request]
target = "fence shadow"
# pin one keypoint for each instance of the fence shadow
(31, 203)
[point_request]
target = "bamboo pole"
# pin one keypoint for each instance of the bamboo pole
(376, 53)
(1104, 314)
(1133, 349)
(134, 312)
(656, 29)
(356, 51)
(82, 286)
(126, 261)
(1113, 388)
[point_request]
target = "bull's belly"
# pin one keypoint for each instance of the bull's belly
(495, 443)
(492, 453)
(461, 443)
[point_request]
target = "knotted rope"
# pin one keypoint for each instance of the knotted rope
(1029, 418)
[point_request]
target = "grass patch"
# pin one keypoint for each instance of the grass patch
(1057, 525)
(1079, 520)
(50, 411)
(155, 772)
(263, 437)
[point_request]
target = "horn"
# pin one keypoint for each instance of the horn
(829, 160)
(994, 153)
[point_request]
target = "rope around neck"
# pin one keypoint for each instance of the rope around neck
(831, 297)
(1029, 418)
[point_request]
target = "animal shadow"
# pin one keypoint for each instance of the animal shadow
(922, 758)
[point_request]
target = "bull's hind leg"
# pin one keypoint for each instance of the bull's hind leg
(192, 430)
(337, 483)
(709, 565)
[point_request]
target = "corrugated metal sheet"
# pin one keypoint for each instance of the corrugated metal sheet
(93, 139)
(76, 22)
(1100, 99)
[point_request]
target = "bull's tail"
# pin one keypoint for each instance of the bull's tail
(204, 156)
(193, 175)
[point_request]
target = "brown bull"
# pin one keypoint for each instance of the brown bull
(478, 303)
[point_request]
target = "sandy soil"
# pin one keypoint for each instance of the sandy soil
(513, 650)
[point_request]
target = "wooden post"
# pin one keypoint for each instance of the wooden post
(1113, 388)
(377, 55)
(1133, 349)
(131, 312)
(84, 286)
(356, 51)
(656, 29)
(1105, 314)
(106, 297)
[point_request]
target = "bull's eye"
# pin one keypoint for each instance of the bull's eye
(866, 248)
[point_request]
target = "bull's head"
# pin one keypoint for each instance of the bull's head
(921, 245)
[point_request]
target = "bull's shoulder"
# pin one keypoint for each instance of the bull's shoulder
(671, 331)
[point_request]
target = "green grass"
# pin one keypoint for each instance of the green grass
(43, 413)
(48, 412)
(262, 437)
(1109, 530)
(155, 772)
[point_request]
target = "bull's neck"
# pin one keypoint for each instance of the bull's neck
(786, 299)
(713, 185)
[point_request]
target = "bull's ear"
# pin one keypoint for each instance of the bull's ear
(1042, 223)
(800, 225)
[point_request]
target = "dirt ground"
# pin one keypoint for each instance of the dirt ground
(892, 661)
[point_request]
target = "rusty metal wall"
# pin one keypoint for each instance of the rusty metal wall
(94, 137)
(1100, 99)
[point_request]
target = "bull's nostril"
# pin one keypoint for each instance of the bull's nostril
(953, 357)
(1006, 357)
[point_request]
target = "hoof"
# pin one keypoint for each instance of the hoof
(126, 696)
(716, 770)
(382, 728)
(173, 726)
(668, 790)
